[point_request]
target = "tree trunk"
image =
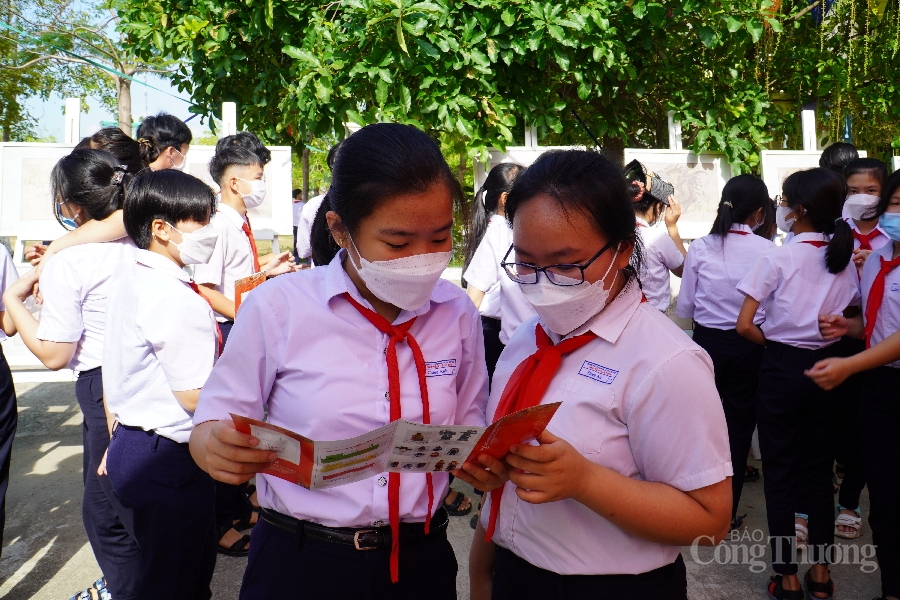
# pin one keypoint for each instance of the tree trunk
(614, 149)
(305, 168)
(123, 87)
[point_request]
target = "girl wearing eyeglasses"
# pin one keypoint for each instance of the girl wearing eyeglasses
(635, 463)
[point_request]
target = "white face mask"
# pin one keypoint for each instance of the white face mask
(857, 205)
(406, 282)
(183, 162)
(257, 193)
(563, 309)
(196, 247)
(784, 224)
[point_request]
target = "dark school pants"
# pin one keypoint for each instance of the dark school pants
(172, 501)
(880, 417)
(849, 439)
(107, 522)
(736, 361)
(492, 344)
(796, 420)
(285, 565)
(9, 419)
(515, 579)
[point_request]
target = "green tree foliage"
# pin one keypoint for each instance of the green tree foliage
(475, 72)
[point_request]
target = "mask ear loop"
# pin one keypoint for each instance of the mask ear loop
(609, 268)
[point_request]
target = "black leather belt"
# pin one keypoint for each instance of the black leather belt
(375, 538)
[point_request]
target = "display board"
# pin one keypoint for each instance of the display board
(776, 165)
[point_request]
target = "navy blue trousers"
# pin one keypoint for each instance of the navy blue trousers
(287, 566)
(172, 501)
(515, 578)
(9, 418)
(736, 362)
(106, 521)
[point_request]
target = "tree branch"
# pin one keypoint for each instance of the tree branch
(806, 10)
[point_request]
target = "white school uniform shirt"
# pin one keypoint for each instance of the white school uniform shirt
(876, 242)
(304, 228)
(639, 399)
(161, 336)
(307, 355)
(888, 320)
(298, 209)
(232, 258)
(713, 268)
(794, 287)
(485, 272)
(660, 256)
(8, 276)
(75, 285)
(485, 267)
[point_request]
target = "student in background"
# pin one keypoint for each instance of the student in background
(164, 141)
(715, 264)
(879, 368)
(635, 462)
(161, 346)
(298, 205)
(864, 178)
(248, 140)
(86, 185)
(795, 283)
(499, 300)
(9, 416)
(837, 155)
(345, 338)
(308, 215)
(664, 250)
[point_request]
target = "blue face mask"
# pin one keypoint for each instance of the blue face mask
(68, 223)
(890, 223)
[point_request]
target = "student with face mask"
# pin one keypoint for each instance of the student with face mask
(715, 264)
(635, 462)
(162, 342)
(164, 142)
(864, 177)
(349, 340)
(879, 368)
(86, 185)
(795, 283)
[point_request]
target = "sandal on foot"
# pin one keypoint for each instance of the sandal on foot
(777, 592)
(239, 548)
(751, 474)
(737, 521)
(845, 520)
(801, 531)
(814, 587)
(453, 507)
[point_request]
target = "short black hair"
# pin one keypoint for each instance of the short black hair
(169, 195)
(836, 156)
(295, 192)
(229, 156)
(249, 141)
(155, 134)
(888, 188)
(871, 166)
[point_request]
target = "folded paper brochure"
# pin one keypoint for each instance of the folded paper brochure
(398, 447)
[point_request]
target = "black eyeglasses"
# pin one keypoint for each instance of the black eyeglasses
(562, 275)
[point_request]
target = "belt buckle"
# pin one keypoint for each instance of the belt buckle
(356, 540)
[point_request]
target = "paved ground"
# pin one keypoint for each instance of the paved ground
(46, 555)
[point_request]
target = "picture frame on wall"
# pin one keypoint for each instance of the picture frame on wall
(776, 165)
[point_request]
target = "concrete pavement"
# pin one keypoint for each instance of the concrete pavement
(46, 555)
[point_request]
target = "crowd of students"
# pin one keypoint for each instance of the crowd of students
(567, 276)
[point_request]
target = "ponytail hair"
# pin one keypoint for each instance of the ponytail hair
(741, 197)
(821, 192)
(487, 201)
(378, 162)
(117, 143)
(155, 134)
(94, 180)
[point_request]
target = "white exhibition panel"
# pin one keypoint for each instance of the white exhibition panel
(896, 163)
(520, 155)
(698, 182)
(777, 165)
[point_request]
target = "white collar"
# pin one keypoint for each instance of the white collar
(610, 322)
(159, 262)
(233, 216)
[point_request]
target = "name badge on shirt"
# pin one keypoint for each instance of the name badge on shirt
(598, 372)
(895, 287)
(440, 368)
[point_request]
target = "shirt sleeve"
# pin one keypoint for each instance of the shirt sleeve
(181, 332)
(61, 319)
(676, 425)
(243, 377)
(484, 268)
(760, 281)
(472, 379)
(307, 216)
(686, 294)
(8, 275)
(213, 271)
(671, 256)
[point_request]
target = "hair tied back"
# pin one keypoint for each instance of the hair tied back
(728, 204)
(119, 174)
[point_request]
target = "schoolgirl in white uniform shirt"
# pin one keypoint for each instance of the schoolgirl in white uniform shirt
(314, 349)
(635, 463)
(498, 299)
(663, 249)
(715, 264)
(9, 416)
(161, 345)
(879, 367)
(75, 285)
(864, 177)
(795, 283)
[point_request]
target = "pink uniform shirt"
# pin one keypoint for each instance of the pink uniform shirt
(318, 366)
